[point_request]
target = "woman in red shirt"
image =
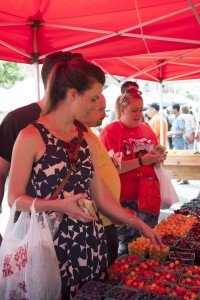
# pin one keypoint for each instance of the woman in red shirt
(136, 140)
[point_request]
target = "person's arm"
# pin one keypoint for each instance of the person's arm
(146, 159)
(28, 148)
(110, 141)
(175, 133)
(109, 206)
(4, 169)
(180, 128)
(155, 126)
(8, 133)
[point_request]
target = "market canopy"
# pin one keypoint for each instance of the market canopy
(127, 38)
(162, 66)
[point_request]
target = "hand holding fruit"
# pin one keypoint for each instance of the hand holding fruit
(152, 235)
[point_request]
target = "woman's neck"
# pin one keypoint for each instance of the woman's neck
(59, 125)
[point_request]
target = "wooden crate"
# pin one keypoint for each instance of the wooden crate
(184, 164)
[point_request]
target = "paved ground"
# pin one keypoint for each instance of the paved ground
(185, 192)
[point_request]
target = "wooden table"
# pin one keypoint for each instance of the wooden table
(184, 164)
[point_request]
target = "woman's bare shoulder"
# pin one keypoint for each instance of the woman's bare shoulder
(28, 131)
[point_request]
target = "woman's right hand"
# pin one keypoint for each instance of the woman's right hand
(69, 206)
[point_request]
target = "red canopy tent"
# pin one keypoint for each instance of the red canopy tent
(153, 40)
(99, 29)
(161, 66)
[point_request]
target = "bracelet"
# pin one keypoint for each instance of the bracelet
(140, 161)
(131, 220)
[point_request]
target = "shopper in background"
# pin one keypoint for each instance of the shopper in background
(177, 132)
(169, 117)
(136, 140)
(190, 125)
(178, 128)
(154, 122)
(114, 113)
(129, 84)
(45, 150)
(96, 117)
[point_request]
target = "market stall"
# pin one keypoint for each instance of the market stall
(149, 273)
(184, 164)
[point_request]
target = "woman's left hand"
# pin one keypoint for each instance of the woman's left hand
(153, 158)
(152, 235)
(161, 157)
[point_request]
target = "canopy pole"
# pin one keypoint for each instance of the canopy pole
(197, 127)
(161, 106)
(35, 59)
(37, 83)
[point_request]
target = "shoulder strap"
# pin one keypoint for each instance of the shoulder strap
(64, 181)
(80, 125)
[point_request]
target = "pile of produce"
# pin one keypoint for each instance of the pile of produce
(148, 273)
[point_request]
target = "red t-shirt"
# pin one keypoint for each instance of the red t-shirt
(118, 137)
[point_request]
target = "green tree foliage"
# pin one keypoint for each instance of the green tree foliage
(10, 73)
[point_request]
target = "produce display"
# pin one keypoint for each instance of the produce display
(172, 266)
(184, 257)
(148, 273)
(166, 276)
(145, 268)
(93, 290)
(184, 292)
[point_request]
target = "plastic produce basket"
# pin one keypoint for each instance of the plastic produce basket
(196, 250)
(93, 289)
(170, 240)
(86, 297)
(183, 257)
(175, 266)
(191, 270)
(152, 296)
(154, 287)
(159, 254)
(190, 281)
(117, 271)
(167, 276)
(183, 292)
(136, 282)
(120, 292)
(141, 252)
(129, 258)
(183, 245)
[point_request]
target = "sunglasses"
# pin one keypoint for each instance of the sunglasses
(133, 91)
(130, 91)
(74, 163)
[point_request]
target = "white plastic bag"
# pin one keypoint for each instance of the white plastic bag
(168, 193)
(28, 263)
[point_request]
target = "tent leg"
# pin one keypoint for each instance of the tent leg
(161, 115)
(37, 81)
